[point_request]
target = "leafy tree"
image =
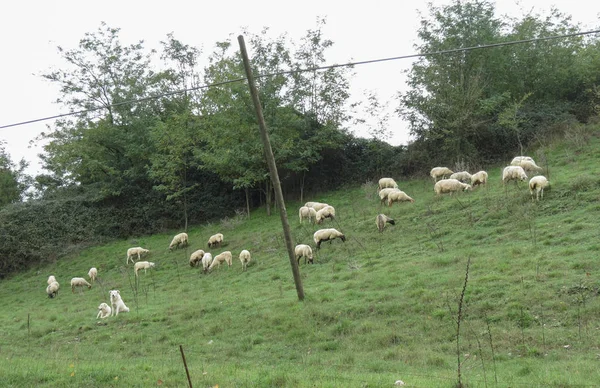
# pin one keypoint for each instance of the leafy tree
(13, 180)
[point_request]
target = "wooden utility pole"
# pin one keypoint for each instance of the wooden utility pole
(272, 169)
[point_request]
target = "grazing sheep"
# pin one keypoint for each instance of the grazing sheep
(440, 172)
(139, 251)
(206, 261)
(117, 302)
(479, 178)
(222, 257)
(180, 240)
(326, 212)
(538, 183)
(462, 176)
(327, 235)
(104, 311)
(530, 166)
(383, 194)
(52, 289)
(515, 173)
(307, 213)
(303, 250)
(215, 239)
(387, 183)
(518, 159)
(381, 220)
(245, 259)
(450, 186)
(398, 196)
(142, 265)
(51, 279)
(196, 258)
(316, 205)
(79, 282)
(93, 274)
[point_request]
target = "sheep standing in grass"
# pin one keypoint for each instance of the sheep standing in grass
(52, 289)
(326, 212)
(220, 258)
(479, 178)
(440, 172)
(215, 239)
(518, 159)
(196, 258)
(139, 251)
(104, 311)
(117, 302)
(530, 166)
(387, 183)
(327, 235)
(303, 250)
(93, 274)
(513, 173)
(51, 279)
(316, 205)
(383, 194)
(79, 282)
(398, 196)
(245, 259)
(381, 220)
(207, 260)
(450, 186)
(462, 176)
(179, 241)
(307, 213)
(142, 265)
(538, 183)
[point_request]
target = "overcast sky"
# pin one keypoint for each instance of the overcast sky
(31, 30)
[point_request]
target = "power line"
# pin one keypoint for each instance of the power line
(348, 64)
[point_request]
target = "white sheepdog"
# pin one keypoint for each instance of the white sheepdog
(104, 311)
(117, 303)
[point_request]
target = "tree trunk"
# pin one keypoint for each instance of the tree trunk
(268, 196)
(247, 201)
(302, 187)
(185, 211)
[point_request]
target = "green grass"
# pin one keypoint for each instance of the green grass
(378, 308)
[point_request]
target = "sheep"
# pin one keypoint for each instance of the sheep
(398, 196)
(383, 194)
(142, 265)
(93, 274)
(104, 311)
(222, 257)
(450, 186)
(479, 178)
(245, 259)
(180, 240)
(139, 251)
(387, 183)
(462, 176)
(307, 213)
(79, 282)
(51, 279)
(326, 212)
(530, 166)
(518, 159)
(215, 239)
(381, 220)
(52, 289)
(206, 261)
(440, 172)
(117, 302)
(316, 205)
(196, 258)
(515, 173)
(303, 250)
(327, 235)
(538, 183)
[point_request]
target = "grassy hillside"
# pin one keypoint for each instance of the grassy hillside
(378, 308)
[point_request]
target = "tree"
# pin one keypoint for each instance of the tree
(13, 180)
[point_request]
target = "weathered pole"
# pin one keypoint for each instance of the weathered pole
(272, 169)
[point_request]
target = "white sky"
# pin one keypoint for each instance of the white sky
(30, 30)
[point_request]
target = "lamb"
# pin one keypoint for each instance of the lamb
(51, 279)
(518, 159)
(383, 194)
(307, 213)
(79, 282)
(462, 176)
(381, 220)
(387, 183)
(398, 196)
(52, 289)
(104, 311)
(180, 240)
(479, 178)
(326, 212)
(142, 265)
(222, 257)
(327, 235)
(450, 186)
(206, 261)
(440, 172)
(196, 258)
(245, 259)
(215, 239)
(316, 205)
(117, 303)
(538, 183)
(93, 274)
(139, 251)
(515, 173)
(303, 250)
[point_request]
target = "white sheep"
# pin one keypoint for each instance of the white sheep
(327, 235)
(440, 172)
(142, 265)
(387, 183)
(206, 261)
(139, 251)
(79, 282)
(326, 212)
(398, 196)
(117, 302)
(93, 274)
(479, 178)
(51, 279)
(316, 205)
(104, 311)
(450, 186)
(52, 289)
(383, 193)
(515, 173)
(307, 213)
(462, 176)
(220, 258)
(196, 258)
(180, 240)
(303, 250)
(215, 239)
(530, 166)
(538, 183)
(245, 259)
(381, 220)
(518, 159)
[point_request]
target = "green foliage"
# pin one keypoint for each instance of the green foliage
(13, 181)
